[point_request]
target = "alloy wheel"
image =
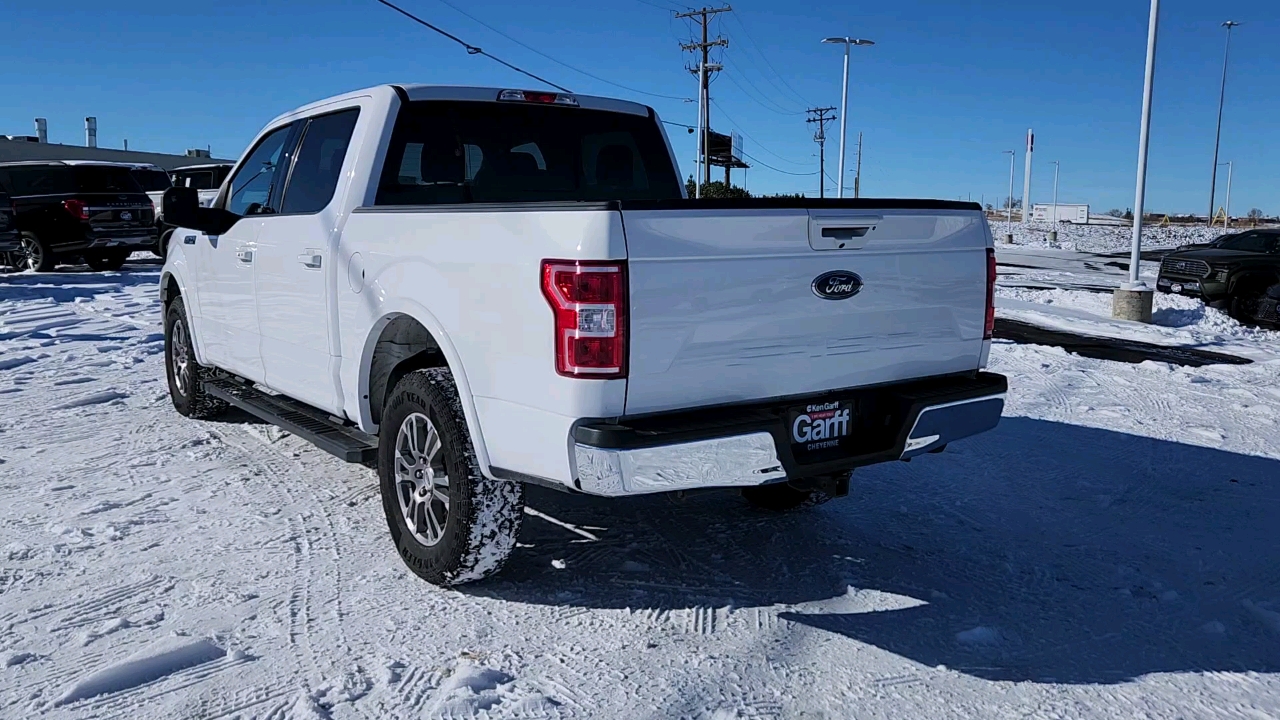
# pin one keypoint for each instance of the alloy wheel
(422, 481)
(180, 353)
(30, 255)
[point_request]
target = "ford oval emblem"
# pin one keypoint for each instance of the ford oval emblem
(837, 285)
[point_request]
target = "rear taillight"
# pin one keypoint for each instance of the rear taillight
(77, 208)
(990, 328)
(589, 301)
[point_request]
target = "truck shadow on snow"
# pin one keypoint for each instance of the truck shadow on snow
(1039, 552)
(70, 283)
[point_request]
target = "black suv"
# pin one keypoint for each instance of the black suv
(73, 209)
(1240, 272)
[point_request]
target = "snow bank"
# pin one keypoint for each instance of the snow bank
(149, 664)
(1102, 238)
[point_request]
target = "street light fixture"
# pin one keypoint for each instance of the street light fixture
(844, 99)
(1222, 96)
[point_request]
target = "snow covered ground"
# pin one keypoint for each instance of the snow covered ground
(1110, 551)
(1068, 290)
(1103, 238)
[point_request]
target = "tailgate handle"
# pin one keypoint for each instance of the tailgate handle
(846, 233)
(841, 233)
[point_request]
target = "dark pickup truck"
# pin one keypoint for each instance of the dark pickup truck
(1238, 272)
(65, 210)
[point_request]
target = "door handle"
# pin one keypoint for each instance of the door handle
(245, 255)
(310, 258)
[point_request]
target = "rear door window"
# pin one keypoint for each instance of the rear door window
(462, 152)
(319, 162)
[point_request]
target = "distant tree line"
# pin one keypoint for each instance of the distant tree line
(717, 190)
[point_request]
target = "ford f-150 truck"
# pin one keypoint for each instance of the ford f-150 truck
(478, 289)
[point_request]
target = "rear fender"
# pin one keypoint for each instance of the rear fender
(390, 310)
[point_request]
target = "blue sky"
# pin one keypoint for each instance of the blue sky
(948, 86)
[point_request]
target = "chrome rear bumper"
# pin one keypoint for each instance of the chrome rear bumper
(749, 445)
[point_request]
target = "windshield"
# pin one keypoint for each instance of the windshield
(1248, 242)
(462, 152)
(152, 180)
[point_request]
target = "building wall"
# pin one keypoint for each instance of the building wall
(14, 151)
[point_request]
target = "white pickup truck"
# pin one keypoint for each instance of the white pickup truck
(477, 289)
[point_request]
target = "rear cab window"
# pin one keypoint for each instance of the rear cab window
(68, 180)
(152, 179)
(444, 152)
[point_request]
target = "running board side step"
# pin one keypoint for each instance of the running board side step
(308, 423)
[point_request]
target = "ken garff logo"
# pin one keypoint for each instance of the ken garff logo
(837, 285)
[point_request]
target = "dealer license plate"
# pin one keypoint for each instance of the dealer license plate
(820, 430)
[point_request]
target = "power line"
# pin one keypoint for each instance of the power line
(737, 17)
(536, 51)
(784, 172)
(759, 144)
(776, 108)
(471, 49)
(663, 9)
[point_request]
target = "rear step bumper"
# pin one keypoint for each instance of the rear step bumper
(746, 445)
(298, 418)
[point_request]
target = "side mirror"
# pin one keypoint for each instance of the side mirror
(182, 208)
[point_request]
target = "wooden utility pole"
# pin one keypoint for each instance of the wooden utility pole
(703, 71)
(820, 118)
(857, 176)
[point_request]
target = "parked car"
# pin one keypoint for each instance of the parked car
(65, 210)
(477, 289)
(9, 244)
(154, 181)
(1240, 272)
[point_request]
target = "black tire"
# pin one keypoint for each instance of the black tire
(482, 517)
(35, 254)
(185, 375)
(782, 497)
(106, 260)
(1243, 305)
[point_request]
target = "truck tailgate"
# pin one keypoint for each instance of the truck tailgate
(725, 305)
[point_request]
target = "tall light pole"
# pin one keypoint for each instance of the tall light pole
(1026, 179)
(1013, 158)
(1222, 96)
(844, 101)
(1226, 220)
(1133, 300)
(1055, 192)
